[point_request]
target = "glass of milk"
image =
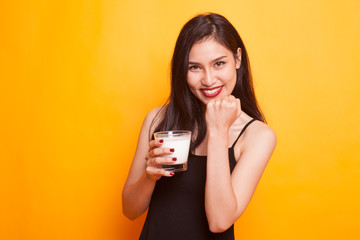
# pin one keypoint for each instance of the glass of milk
(179, 140)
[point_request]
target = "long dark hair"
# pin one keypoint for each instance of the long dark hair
(184, 111)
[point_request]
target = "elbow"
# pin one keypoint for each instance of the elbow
(130, 212)
(130, 215)
(128, 208)
(219, 226)
(216, 229)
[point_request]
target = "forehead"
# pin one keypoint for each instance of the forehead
(208, 49)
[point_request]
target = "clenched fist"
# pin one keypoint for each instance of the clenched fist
(221, 113)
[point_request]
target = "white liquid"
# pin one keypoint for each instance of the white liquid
(181, 146)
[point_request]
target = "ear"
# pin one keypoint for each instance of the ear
(238, 58)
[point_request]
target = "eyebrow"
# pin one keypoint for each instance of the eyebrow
(215, 60)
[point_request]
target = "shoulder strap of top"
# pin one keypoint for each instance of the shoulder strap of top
(242, 131)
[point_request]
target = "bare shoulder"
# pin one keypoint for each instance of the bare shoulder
(155, 111)
(154, 117)
(261, 130)
(261, 135)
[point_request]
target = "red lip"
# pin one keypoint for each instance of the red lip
(211, 92)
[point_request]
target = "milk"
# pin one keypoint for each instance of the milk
(180, 141)
(181, 146)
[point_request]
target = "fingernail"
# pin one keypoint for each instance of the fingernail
(161, 140)
(172, 174)
(172, 150)
(174, 158)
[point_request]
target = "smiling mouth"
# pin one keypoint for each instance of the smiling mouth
(211, 92)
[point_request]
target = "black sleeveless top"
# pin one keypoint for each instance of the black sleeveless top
(177, 207)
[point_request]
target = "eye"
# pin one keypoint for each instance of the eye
(219, 63)
(194, 67)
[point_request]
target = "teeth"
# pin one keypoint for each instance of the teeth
(210, 92)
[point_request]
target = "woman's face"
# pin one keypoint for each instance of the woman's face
(212, 70)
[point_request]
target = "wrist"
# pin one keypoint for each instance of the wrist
(218, 131)
(148, 178)
(218, 137)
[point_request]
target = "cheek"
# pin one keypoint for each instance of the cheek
(229, 75)
(230, 80)
(191, 81)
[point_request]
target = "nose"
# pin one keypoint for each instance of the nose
(208, 79)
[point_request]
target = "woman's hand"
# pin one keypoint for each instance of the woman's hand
(155, 158)
(221, 113)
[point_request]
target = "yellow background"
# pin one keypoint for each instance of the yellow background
(78, 77)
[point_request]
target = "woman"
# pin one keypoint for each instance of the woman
(212, 96)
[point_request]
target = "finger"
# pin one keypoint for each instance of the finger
(156, 143)
(238, 103)
(163, 172)
(157, 172)
(218, 102)
(231, 98)
(161, 160)
(228, 103)
(160, 152)
(168, 173)
(153, 173)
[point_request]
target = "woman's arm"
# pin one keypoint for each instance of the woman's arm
(227, 195)
(144, 171)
